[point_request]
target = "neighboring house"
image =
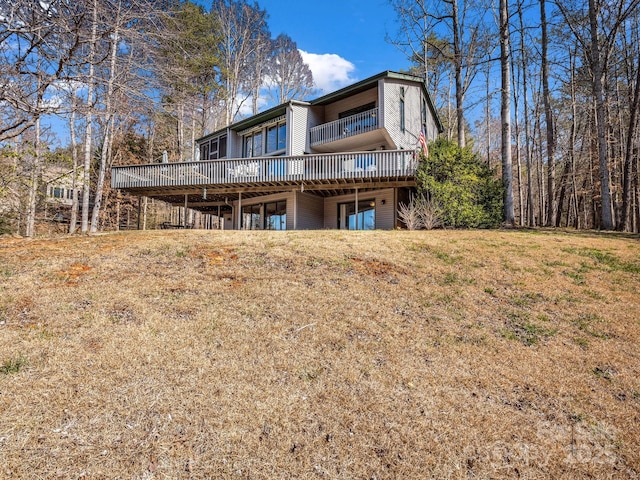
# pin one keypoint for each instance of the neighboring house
(59, 191)
(344, 160)
(59, 188)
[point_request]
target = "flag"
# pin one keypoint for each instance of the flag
(423, 143)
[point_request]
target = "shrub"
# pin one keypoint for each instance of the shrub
(467, 190)
(419, 213)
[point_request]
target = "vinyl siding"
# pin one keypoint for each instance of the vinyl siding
(407, 140)
(333, 110)
(297, 129)
(234, 145)
(310, 211)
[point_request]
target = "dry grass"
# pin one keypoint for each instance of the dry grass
(370, 355)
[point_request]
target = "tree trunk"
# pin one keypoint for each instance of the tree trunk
(548, 114)
(606, 218)
(109, 123)
(34, 183)
(507, 170)
(88, 137)
(630, 152)
(457, 54)
(73, 220)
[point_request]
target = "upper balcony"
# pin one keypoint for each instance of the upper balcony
(344, 170)
(351, 132)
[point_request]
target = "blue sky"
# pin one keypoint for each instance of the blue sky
(342, 41)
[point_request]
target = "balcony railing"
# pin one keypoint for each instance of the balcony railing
(272, 170)
(345, 127)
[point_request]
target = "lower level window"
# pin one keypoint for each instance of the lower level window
(361, 218)
(251, 218)
(275, 215)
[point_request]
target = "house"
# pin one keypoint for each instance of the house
(344, 160)
(59, 190)
(60, 187)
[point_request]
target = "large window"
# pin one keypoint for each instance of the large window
(362, 218)
(251, 218)
(252, 145)
(276, 138)
(275, 215)
(360, 109)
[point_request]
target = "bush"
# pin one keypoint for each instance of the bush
(467, 190)
(420, 213)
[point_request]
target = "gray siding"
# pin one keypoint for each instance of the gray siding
(310, 210)
(332, 110)
(385, 214)
(408, 139)
(297, 129)
(234, 145)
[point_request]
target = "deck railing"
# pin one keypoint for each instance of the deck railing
(345, 127)
(389, 163)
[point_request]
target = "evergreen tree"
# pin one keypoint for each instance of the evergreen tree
(466, 188)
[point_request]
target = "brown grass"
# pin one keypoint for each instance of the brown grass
(369, 355)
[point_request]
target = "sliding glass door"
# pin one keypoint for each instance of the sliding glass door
(361, 218)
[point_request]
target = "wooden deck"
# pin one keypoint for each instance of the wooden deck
(324, 172)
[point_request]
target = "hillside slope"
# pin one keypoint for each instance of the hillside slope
(343, 355)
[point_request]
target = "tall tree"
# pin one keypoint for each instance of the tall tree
(598, 39)
(289, 77)
(457, 23)
(505, 68)
(243, 30)
(551, 215)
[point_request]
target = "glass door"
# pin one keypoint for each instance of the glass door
(362, 218)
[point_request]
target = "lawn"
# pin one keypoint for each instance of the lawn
(328, 354)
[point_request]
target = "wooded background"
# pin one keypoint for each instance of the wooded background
(546, 92)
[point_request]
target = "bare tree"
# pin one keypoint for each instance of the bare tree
(465, 36)
(243, 27)
(505, 67)
(598, 39)
(289, 77)
(551, 219)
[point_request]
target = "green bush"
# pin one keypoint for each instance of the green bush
(467, 189)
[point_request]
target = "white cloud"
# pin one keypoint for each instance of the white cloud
(330, 71)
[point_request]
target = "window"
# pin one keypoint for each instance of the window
(251, 217)
(222, 147)
(58, 192)
(204, 151)
(402, 122)
(424, 112)
(275, 215)
(354, 111)
(214, 149)
(362, 219)
(247, 149)
(252, 145)
(276, 138)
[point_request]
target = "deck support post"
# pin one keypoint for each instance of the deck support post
(356, 209)
(184, 220)
(295, 209)
(239, 210)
